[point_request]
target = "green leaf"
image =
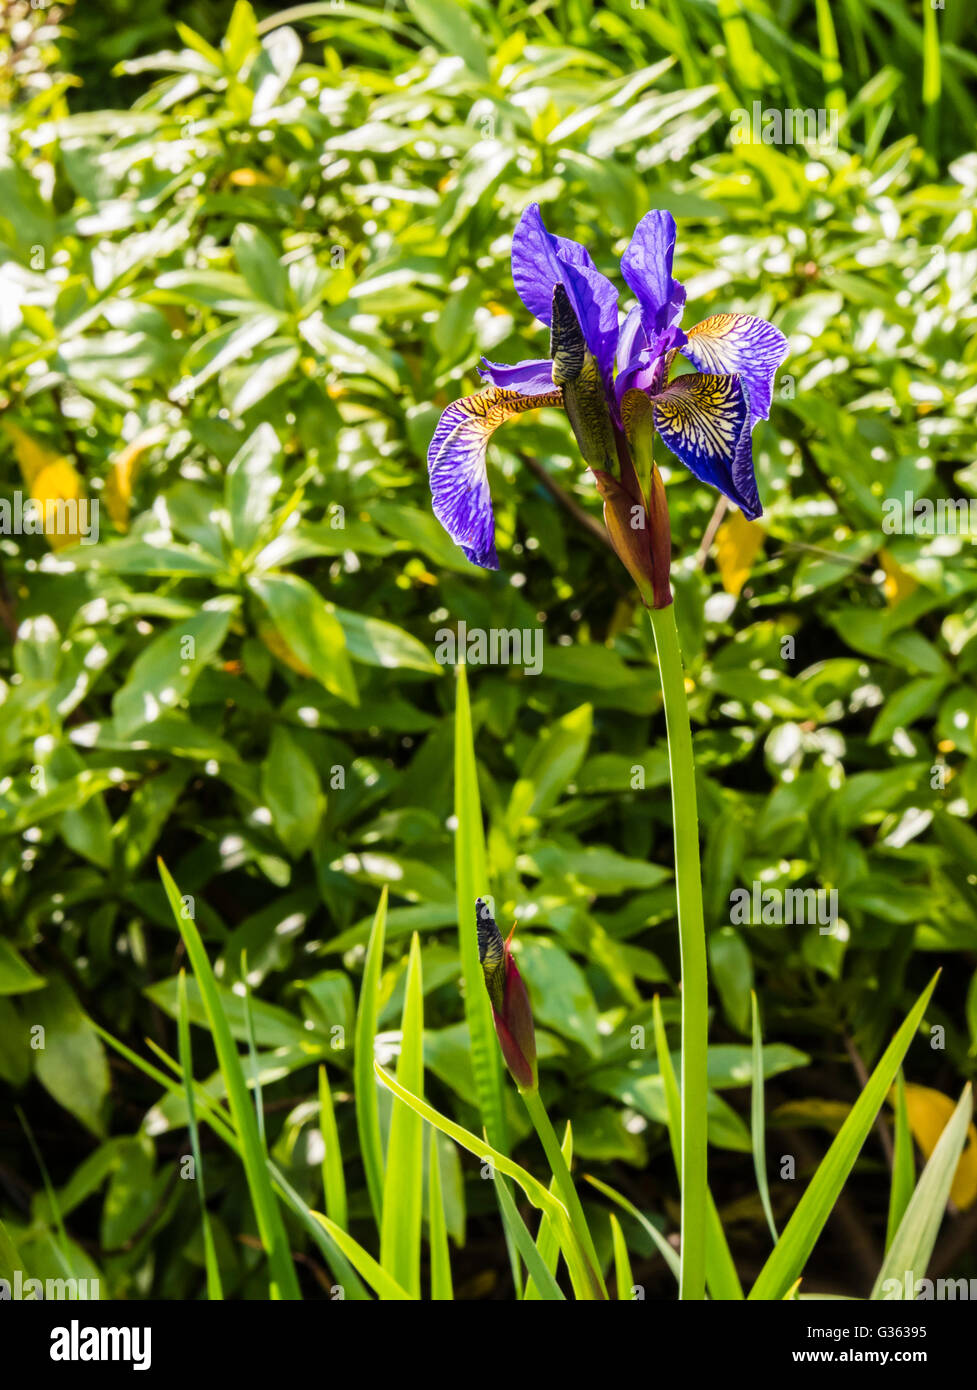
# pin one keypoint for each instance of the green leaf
(722, 1280)
(260, 266)
(291, 791)
(333, 1177)
(547, 1240)
(450, 25)
(270, 1225)
(540, 1275)
(800, 1235)
(662, 1245)
(441, 1288)
(164, 673)
(16, 976)
(553, 763)
(907, 1258)
(537, 1194)
(378, 643)
(903, 1164)
(622, 1264)
(218, 349)
(364, 1263)
(757, 1123)
(215, 1291)
(400, 1228)
(365, 1083)
(304, 623)
(70, 1060)
(251, 483)
(241, 39)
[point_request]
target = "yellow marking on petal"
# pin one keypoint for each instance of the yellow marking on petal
(489, 409)
(698, 412)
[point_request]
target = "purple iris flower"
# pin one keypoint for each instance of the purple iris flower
(705, 417)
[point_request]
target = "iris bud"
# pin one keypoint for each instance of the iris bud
(511, 1010)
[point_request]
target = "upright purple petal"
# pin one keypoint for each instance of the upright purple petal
(741, 344)
(540, 261)
(647, 267)
(457, 471)
(632, 339)
(530, 378)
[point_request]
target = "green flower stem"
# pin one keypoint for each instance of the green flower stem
(564, 1182)
(692, 941)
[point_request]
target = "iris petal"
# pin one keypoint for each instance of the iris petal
(647, 267)
(540, 261)
(705, 420)
(739, 343)
(456, 466)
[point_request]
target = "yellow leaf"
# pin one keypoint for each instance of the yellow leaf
(30, 453)
(122, 475)
(247, 178)
(57, 489)
(929, 1113)
(738, 543)
(898, 584)
(277, 645)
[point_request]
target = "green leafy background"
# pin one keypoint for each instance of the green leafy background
(246, 259)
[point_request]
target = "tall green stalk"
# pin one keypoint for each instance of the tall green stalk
(692, 941)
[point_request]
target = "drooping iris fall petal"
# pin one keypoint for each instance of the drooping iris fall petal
(742, 345)
(456, 466)
(705, 420)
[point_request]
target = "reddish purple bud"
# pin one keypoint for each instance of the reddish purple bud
(511, 1010)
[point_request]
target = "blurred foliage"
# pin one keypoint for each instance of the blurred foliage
(240, 278)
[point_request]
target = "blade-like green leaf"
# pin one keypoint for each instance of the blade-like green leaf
(546, 1239)
(441, 1287)
(10, 1256)
(812, 1211)
(215, 1290)
(664, 1249)
(403, 1196)
(909, 1254)
(364, 1263)
(220, 1122)
(365, 1085)
(757, 1123)
(333, 1178)
(622, 1264)
(534, 1190)
(903, 1164)
(540, 1276)
(271, 1228)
